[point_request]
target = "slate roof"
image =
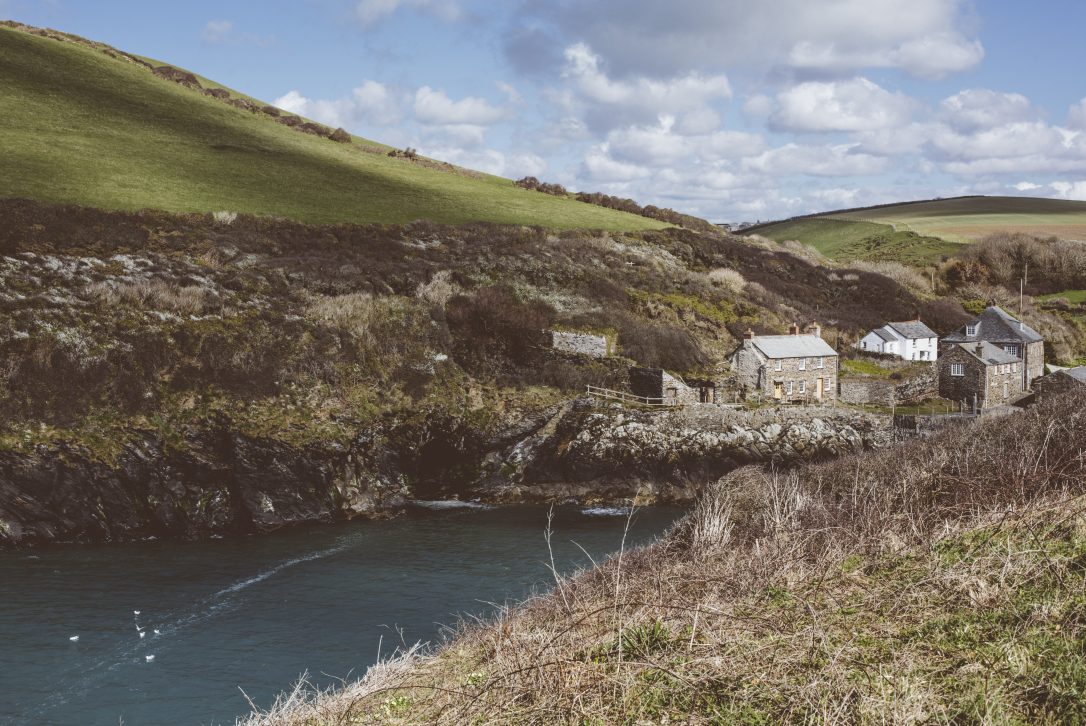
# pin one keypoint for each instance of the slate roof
(792, 346)
(885, 333)
(989, 354)
(996, 325)
(913, 330)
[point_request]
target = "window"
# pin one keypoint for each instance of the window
(821, 362)
(777, 364)
(1014, 367)
(803, 386)
(957, 369)
(803, 364)
(1012, 349)
(863, 345)
(971, 329)
(789, 388)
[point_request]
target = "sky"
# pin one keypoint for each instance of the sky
(728, 109)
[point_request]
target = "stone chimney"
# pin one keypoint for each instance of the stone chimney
(815, 329)
(980, 347)
(793, 329)
(748, 339)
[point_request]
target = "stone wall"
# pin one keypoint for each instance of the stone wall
(595, 346)
(918, 386)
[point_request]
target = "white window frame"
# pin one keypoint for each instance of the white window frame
(971, 329)
(821, 361)
(803, 364)
(803, 386)
(957, 369)
(777, 364)
(788, 389)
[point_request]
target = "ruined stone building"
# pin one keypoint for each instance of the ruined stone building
(1003, 330)
(980, 375)
(789, 368)
(659, 386)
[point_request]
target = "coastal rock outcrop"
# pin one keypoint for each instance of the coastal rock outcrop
(220, 481)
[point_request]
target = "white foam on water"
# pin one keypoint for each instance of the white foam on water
(606, 511)
(449, 504)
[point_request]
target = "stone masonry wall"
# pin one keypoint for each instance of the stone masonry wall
(588, 344)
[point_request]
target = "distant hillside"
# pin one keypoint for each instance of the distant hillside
(922, 232)
(87, 124)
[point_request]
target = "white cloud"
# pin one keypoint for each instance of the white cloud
(600, 167)
(828, 160)
(926, 38)
(1070, 190)
(1025, 186)
(512, 165)
(217, 31)
(610, 102)
(852, 105)
(975, 109)
(437, 109)
(1076, 116)
(371, 12)
(371, 103)
(222, 32)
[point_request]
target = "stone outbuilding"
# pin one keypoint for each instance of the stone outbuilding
(979, 375)
(659, 386)
(998, 327)
(789, 368)
(910, 340)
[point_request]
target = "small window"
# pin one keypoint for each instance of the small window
(803, 364)
(863, 344)
(957, 369)
(789, 388)
(821, 362)
(1014, 367)
(971, 329)
(803, 386)
(777, 364)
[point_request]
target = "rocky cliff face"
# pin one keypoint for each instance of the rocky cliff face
(223, 482)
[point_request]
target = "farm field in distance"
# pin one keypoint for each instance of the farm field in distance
(922, 233)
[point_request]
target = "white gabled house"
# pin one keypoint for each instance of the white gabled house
(911, 340)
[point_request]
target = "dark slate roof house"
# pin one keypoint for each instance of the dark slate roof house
(994, 325)
(912, 330)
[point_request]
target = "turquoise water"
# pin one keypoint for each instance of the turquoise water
(254, 614)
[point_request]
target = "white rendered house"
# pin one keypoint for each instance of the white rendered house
(911, 340)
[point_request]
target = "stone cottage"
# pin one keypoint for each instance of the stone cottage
(795, 367)
(910, 339)
(1003, 330)
(979, 375)
(659, 386)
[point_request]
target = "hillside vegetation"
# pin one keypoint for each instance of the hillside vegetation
(935, 582)
(100, 129)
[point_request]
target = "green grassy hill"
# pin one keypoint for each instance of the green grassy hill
(922, 232)
(81, 126)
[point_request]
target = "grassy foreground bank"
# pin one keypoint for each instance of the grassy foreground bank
(939, 581)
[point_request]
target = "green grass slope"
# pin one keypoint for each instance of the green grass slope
(846, 240)
(964, 219)
(79, 126)
(922, 232)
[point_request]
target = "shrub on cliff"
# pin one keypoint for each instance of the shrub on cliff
(494, 331)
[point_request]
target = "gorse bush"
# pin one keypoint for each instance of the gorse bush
(493, 329)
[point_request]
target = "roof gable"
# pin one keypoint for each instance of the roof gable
(996, 325)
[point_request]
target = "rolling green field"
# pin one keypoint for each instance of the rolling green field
(79, 126)
(845, 240)
(921, 233)
(1073, 296)
(965, 219)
